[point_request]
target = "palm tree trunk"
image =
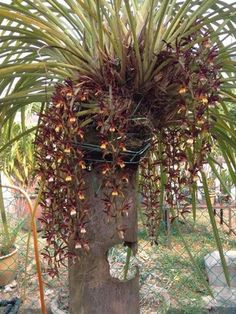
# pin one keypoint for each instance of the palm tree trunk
(92, 289)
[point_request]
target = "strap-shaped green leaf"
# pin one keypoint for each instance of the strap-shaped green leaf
(214, 228)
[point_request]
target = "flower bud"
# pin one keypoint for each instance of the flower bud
(81, 195)
(82, 164)
(78, 245)
(68, 178)
(104, 145)
(73, 212)
(115, 193)
(182, 90)
(83, 230)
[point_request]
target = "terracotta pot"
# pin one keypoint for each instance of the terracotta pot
(8, 267)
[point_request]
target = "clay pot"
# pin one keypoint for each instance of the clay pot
(8, 267)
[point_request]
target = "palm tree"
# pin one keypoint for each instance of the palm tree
(162, 67)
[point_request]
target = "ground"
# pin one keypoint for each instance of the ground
(169, 282)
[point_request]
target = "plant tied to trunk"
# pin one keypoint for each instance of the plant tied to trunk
(115, 78)
(172, 113)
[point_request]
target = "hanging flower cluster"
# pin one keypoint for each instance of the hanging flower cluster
(184, 141)
(171, 113)
(61, 165)
(112, 125)
(63, 160)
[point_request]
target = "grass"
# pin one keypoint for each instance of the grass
(176, 272)
(167, 266)
(168, 281)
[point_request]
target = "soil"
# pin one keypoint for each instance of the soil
(149, 303)
(151, 296)
(153, 274)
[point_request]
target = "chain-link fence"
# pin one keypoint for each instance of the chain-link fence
(170, 281)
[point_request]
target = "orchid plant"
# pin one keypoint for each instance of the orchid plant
(121, 83)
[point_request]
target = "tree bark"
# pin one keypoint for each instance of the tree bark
(92, 289)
